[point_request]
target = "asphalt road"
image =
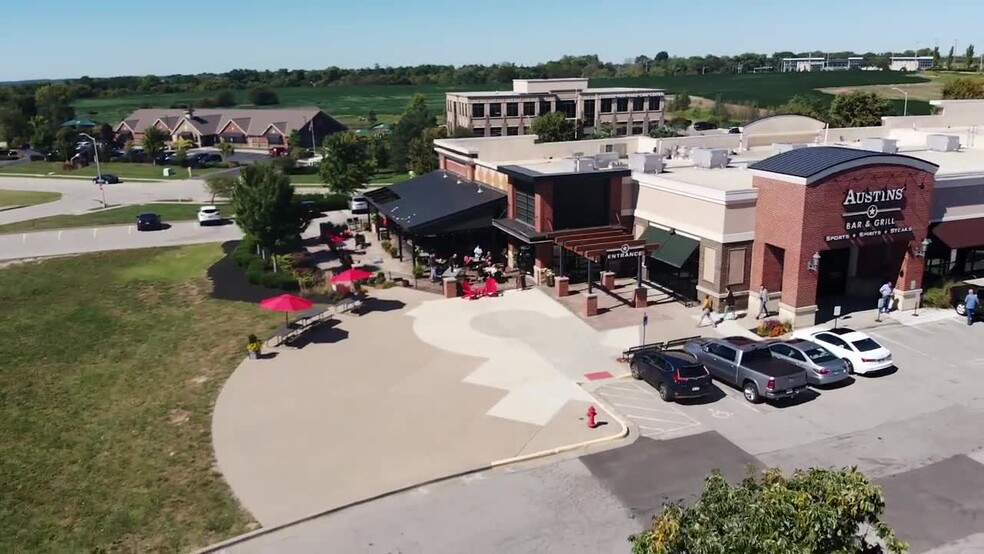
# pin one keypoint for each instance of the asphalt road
(914, 431)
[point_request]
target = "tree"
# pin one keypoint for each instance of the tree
(964, 88)
(817, 510)
(262, 96)
(949, 59)
(54, 102)
(422, 157)
(936, 56)
(720, 110)
(225, 99)
(969, 56)
(416, 118)
(153, 142)
(183, 144)
(347, 163)
(553, 127)
(858, 109)
(42, 134)
(220, 186)
(808, 105)
(295, 141)
(379, 150)
(227, 149)
(106, 134)
(263, 200)
(65, 140)
(605, 130)
(661, 56)
(663, 132)
(679, 123)
(680, 102)
(371, 117)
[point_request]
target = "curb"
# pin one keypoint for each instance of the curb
(221, 546)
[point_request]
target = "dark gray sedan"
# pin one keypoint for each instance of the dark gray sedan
(822, 367)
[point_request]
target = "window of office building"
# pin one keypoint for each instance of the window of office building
(637, 128)
(544, 107)
(495, 131)
(622, 104)
(589, 110)
(512, 109)
(606, 105)
(568, 108)
(478, 131)
(478, 110)
(654, 103)
(495, 110)
(526, 129)
(511, 131)
(529, 108)
(638, 104)
(525, 204)
(621, 130)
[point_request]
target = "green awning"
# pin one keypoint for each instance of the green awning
(674, 249)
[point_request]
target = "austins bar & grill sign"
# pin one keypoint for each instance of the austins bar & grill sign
(871, 213)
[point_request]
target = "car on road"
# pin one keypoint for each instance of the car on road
(957, 295)
(749, 366)
(106, 179)
(861, 353)
(208, 215)
(821, 365)
(148, 221)
(278, 151)
(704, 126)
(203, 159)
(358, 204)
(674, 373)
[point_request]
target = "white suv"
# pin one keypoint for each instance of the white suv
(358, 204)
(209, 214)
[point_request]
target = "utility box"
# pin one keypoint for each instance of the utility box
(646, 162)
(710, 158)
(943, 143)
(877, 144)
(605, 160)
(168, 172)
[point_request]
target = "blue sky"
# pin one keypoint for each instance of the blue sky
(56, 38)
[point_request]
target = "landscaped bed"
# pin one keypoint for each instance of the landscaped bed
(122, 170)
(110, 365)
(113, 216)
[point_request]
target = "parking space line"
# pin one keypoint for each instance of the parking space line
(634, 407)
(630, 387)
(903, 345)
(729, 393)
(626, 396)
(659, 430)
(647, 418)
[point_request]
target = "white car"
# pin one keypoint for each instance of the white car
(861, 353)
(209, 214)
(310, 162)
(358, 204)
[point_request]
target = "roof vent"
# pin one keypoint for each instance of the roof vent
(943, 143)
(646, 163)
(877, 144)
(710, 158)
(781, 147)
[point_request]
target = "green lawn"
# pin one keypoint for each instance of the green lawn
(349, 103)
(121, 170)
(111, 365)
(26, 197)
(383, 177)
(112, 216)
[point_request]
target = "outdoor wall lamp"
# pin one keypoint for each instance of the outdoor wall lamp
(920, 250)
(813, 264)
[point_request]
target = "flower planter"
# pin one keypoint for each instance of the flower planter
(551, 280)
(253, 354)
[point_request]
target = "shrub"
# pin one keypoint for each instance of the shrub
(939, 297)
(244, 252)
(284, 281)
(386, 245)
(773, 328)
(324, 202)
(419, 271)
(255, 271)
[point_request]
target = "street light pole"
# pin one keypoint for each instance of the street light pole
(95, 153)
(905, 103)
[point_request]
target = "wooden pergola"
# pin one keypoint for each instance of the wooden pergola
(594, 242)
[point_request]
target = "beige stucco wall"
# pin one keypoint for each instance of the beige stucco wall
(492, 178)
(702, 218)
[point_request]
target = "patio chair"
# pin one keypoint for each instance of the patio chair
(491, 287)
(469, 293)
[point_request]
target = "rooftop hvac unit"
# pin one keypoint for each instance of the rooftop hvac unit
(646, 163)
(582, 163)
(943, 143)
(605, 160)
(710, 158)
(877, 144)
(781, 147)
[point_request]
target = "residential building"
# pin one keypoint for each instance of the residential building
(910, 63)
(820, 63)
(630, 111)
(258, 128)
(818, 216)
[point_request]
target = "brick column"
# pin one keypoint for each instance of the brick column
(614, 200)
(608, 280)
(511, 202)
(450, 287)
(544, 206)
(908, 293)
(641, 298)
(590, 305)
(563, 286)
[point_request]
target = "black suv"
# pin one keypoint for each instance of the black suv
(674, 373)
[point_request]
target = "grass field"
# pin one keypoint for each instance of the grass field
(121, 170)
(111, 365)
(26, 197)
(350, 102)
(112, 216)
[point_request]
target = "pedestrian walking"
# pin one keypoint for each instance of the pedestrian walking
(705, 312)
(885, 304)
(970, 303)
(763, 303)
(729, 305)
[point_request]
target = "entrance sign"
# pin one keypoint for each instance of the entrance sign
(871, 213)
(625, 251)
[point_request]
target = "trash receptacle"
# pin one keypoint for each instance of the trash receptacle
(168, 172)
(324, 229)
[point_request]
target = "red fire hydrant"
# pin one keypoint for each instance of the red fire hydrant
(592, 412)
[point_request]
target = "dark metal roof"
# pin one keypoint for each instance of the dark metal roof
(812, 160)
(520, 230)
(436, 202)
(528, 175)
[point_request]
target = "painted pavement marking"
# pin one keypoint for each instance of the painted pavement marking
(651, 421)
(598, 375)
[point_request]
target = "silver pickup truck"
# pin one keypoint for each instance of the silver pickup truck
(749, 366)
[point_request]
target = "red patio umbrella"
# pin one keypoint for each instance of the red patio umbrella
(350, 275)
(286, 303)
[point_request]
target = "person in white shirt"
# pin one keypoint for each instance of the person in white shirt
(478, 252)
(885, 304)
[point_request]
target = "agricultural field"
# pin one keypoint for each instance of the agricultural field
(349, 103)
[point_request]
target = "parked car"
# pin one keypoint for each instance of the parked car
(10, 153)
(310, 162)
(861, 353)
(310, 208)
(278, 151)
(358, 204)
(749, 366)
(149, 222)
(202, 159)
(106, 179)
(957, 295)
(208, 215)
(674, 373)
(704, 126)
(821, 365)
